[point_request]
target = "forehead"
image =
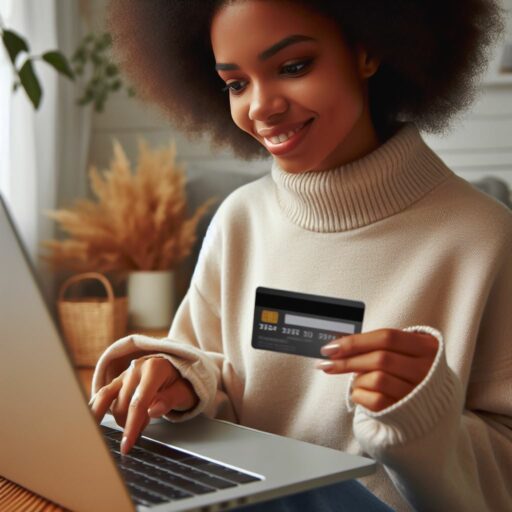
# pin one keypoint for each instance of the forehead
(252, 25)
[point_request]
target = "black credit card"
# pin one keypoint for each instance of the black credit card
(301, 323)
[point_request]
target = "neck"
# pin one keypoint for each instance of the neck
(380, 184)
(362, 140)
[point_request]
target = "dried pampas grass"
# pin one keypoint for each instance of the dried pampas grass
(137, 222)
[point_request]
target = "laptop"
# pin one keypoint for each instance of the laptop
(51, 444)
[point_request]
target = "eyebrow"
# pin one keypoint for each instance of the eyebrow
(269, 52)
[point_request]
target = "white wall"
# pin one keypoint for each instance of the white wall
(479, 144)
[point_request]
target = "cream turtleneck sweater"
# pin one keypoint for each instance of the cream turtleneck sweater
(418, 245)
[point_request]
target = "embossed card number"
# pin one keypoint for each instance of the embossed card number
(300, 323)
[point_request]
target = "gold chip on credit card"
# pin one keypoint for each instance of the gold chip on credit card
(270, 317)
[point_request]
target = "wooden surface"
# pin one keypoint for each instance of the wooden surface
(14, 498)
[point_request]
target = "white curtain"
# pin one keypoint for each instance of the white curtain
(42, 153)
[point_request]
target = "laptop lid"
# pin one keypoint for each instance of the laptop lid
(50, 443)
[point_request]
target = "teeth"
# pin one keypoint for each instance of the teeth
(282, 137)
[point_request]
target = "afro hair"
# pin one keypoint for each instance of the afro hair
(432, 53)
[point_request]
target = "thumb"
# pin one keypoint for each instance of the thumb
(158, 408)
(179, 396)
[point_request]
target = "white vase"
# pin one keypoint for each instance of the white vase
(151, 299)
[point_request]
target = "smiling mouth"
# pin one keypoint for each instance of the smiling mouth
(284, 137)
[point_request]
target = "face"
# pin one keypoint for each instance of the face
(293, 83)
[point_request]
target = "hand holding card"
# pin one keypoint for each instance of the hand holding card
(300, 323)
(390, 363)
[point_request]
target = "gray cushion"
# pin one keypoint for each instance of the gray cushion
(496, 188)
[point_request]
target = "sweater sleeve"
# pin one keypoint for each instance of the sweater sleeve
(193, 346)
(445, 449)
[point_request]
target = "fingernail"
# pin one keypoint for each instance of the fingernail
(124, 445)
(135, 398)
(325, 365)
(91, 400)
(330, 349)
(157, 410)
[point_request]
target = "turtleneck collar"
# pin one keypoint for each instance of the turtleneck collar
(381, 184)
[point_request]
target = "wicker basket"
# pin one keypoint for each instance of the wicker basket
(91, 324)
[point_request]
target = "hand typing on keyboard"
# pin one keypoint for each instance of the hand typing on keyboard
(148, 388)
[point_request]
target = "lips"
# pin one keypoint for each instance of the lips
(281, 140)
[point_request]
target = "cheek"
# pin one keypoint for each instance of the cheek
(343, 110)
(239, 114)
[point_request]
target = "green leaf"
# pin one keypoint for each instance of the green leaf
(107, 39)
(99, 105)
(59, 62)
(115, 85)
(97, 59)
(79, 56)
(111, 70)
(30, 83)
(14, 44)
(87, 97)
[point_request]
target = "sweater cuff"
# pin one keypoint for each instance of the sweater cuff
(192, 364)
(416, 413)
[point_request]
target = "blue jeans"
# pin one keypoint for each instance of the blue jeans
(348, 496)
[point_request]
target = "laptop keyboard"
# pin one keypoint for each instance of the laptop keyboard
(155, 473)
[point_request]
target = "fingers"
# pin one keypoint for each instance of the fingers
(411, 369)
(179, 396)
(390, 364)
(155, 372)
(149, 388)
(100, 403)
(383, 383)
(131, 379)
(371, 400)
(393, 340)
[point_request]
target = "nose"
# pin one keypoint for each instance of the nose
(266, 102)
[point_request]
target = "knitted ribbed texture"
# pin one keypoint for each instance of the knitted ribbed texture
(418, 412)
(381, 184)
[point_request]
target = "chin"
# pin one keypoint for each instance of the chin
(294, 167)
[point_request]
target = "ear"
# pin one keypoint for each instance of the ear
(367, 64)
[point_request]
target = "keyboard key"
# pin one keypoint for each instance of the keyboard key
(194, 474)
(130, 463)
(226, 473)
(178, 481)
(213, 481)
(107, 430)
(142, 496)
(160, 449)
(156, 487)
(150, 458)
(168, 491)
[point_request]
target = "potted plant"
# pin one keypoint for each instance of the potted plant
(136, 225)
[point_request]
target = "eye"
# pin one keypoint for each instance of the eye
(235, 87)
(296, 68)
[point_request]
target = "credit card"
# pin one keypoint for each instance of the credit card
(301, 323)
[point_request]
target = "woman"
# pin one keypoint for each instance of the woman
(357, 207)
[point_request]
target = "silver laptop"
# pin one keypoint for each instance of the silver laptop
(51, 444)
